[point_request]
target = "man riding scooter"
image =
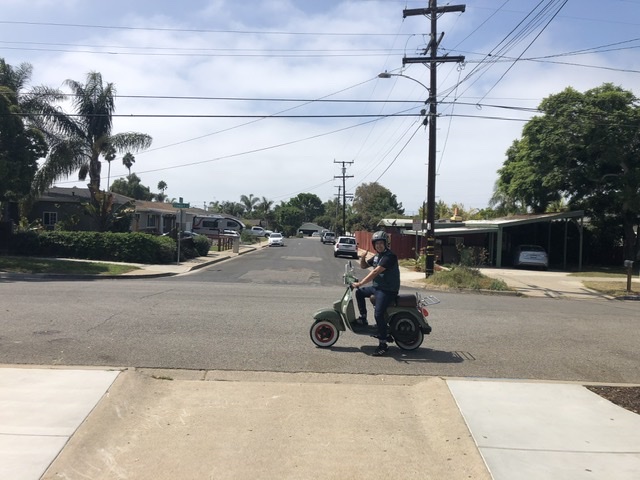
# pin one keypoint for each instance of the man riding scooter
(386, 284)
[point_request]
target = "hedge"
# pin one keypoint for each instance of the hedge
(119, 247)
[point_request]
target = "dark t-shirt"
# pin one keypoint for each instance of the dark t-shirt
(389, 280)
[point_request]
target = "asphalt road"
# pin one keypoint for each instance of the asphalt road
(254, 313)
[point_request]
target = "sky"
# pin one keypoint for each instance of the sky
(273, 98)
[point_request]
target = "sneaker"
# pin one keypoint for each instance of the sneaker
(361, 320)
(381, 350)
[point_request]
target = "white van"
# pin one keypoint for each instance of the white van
(216, 225)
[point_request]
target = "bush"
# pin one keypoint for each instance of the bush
(465, 277)
(202, 245)
(120, 247)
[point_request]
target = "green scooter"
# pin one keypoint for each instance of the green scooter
(406, 317)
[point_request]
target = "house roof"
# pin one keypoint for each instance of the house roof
(75, 195)
(482, 226)
(310, 226)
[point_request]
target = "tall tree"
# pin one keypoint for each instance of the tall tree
(584, 148)
(128, 160)
(249, 203)
(309, 204)
(22, 142)
(162, 186)
(371, 203)
(77, 142)
(132, 187)
(232, 208)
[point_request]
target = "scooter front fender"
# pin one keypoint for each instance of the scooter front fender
(332, 316)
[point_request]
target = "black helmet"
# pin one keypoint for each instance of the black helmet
(380, 236)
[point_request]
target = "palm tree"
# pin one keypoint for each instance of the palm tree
(77, 142)
(162, 186)
(249, 203)
(128, 160)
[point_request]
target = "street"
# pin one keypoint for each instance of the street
(253, 313)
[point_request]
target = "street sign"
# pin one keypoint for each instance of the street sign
(180, 205)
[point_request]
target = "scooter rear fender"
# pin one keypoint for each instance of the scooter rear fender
(330, 315)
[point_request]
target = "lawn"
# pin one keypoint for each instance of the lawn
(65, 267)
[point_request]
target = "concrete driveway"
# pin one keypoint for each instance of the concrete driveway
(535, 283)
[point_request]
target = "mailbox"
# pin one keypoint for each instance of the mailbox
(628, 263)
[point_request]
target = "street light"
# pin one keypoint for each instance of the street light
(431, 171)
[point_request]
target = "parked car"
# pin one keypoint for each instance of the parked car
(531, 256)
(258, 232)
(184, 234)
(328, 237)
(276, 240)
(346, 246)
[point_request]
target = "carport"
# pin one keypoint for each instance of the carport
(503, 233)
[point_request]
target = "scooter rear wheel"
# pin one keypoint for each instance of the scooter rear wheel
(324, 334)
(406, 332)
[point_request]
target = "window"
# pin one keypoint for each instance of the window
(151, 221)
(49, 218)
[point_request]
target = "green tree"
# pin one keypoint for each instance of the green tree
(585, 148)
(132, 187)
(249, 203)
(309, 204)
(288, 218)
(332, 216)
(232, 208)
(263, 208)
(371, 203)
(128, 160)
(21, 141)
(78, 141)
(162, 186)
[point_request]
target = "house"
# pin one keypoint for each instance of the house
(154, 217)
(309, 228)
(561, 234)
(64, 204)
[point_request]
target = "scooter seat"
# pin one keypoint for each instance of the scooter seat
(406, 300)
(402, 300)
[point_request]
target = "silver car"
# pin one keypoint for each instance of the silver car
(346, 246)
(531, 256)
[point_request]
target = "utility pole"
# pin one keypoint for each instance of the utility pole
(432, 11)
(344, 176)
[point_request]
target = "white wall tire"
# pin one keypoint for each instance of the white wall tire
(324, 334)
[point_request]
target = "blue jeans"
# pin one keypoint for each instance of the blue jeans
(383, 299)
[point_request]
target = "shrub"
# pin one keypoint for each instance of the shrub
(121, 247)
(202, 245)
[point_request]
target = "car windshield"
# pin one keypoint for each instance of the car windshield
(350, 241)
(531, 248)
(276, 235)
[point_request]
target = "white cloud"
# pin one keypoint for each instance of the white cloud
(475, 147)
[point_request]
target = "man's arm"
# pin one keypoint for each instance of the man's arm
(372, 274)
(363, 260)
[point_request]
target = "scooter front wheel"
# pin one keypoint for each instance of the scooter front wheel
(406, 332)
(324, 333)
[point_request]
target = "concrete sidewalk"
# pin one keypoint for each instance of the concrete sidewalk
(169, 424)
